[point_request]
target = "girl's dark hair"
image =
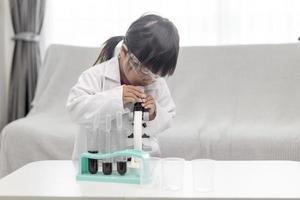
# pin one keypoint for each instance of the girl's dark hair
(154, 40)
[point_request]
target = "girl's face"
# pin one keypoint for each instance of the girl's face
(130, 73)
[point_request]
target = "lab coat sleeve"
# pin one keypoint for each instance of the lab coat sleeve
(165, 111)
(86, 100)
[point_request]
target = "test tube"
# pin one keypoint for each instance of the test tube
(107, 163)
(92, 144)
(121, 139)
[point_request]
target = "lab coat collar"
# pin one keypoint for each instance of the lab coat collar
(112, 69)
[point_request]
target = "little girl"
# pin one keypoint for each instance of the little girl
(129, 69)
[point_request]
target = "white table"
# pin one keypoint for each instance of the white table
(233, 180)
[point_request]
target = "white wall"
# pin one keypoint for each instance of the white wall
(6, 48)
(206, 22)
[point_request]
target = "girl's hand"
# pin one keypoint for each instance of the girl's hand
(132, 94)
(150, 106)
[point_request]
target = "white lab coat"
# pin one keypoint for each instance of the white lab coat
(98, 89)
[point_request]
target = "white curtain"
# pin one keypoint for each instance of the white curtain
(200, 22)
(2, 92)
(2, 68)
(5, 51)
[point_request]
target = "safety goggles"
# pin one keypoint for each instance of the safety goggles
(139, 68)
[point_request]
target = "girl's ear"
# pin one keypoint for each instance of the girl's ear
(124, 48)
(123, 51)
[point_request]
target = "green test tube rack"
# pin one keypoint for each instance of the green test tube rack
(136, 175)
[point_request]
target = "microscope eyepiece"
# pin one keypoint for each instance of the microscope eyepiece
(138, 107)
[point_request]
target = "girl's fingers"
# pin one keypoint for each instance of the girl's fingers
(149, 99)
(149, 104)
(129, 99)
(151, 107)
(136, 92)
(137, 89)
(133, 96)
